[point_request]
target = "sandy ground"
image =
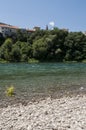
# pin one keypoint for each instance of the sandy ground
(67, 113)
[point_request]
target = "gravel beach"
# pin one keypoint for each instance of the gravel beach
(66, 113)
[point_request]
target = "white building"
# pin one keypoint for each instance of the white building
(7, 30)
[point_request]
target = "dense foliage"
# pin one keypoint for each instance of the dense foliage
(43, 45)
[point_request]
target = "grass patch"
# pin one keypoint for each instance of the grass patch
(10, 91)
(84, 61)
(3, 61)
(33, 61)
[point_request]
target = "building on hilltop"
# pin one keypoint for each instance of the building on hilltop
(9, 30)
(36, 28)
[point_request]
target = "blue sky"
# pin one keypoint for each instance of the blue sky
(69, 14)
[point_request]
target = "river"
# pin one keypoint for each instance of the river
(42, 79)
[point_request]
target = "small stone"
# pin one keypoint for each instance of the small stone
(68, 126)
(46, 113)
(20, 114)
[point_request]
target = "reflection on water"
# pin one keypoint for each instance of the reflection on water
(42, 78)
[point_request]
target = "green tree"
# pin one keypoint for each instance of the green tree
(39, 48)
(5, 50)
(2, 39)
(16, 54)
(74, 46)
(26, 51)
(22, 35)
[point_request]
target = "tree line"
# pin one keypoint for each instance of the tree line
(56, 45)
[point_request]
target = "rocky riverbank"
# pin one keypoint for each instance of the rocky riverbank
(66, 113)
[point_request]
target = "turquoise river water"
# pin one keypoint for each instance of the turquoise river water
(42, 79)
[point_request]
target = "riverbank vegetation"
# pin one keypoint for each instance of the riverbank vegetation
(10, 91)
(57, 45)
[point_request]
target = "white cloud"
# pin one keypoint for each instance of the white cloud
(52, 23)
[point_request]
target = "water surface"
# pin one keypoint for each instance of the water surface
(42, 79)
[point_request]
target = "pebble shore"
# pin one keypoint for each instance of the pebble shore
(66, 113)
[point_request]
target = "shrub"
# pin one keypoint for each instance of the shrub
(10, 91)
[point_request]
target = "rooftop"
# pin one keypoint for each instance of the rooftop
(8, 26)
